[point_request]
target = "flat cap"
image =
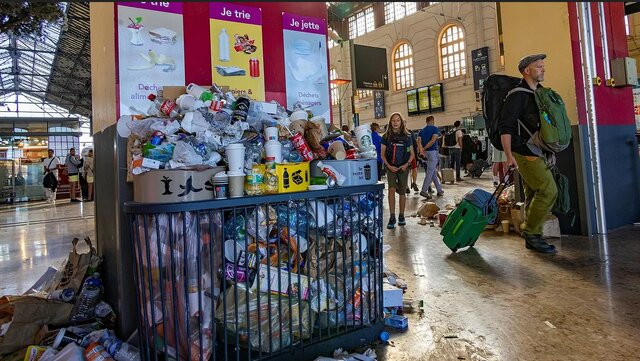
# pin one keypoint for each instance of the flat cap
(525, 61)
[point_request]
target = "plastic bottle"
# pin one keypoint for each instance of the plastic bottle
(332, 172)
(166, 106)
(223, 42)
(199, 92)
(84, 308)
(270, 177)
(120, 350)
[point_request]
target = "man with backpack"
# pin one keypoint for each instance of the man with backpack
(453, 140)
(520, 117)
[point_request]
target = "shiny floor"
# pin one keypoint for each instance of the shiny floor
(496, 301)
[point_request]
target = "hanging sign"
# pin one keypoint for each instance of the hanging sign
(480, 61)
(305, 62)
(237, 48)
(150, 51)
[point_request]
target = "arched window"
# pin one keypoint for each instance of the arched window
(403, 66)
(333, 74)
(452, 52)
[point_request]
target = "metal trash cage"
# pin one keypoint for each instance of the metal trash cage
(286, 276)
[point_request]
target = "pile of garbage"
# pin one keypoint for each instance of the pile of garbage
(63, 317)
(208, 127)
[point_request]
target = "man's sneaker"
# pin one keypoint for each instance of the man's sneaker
(538, 244)
(415, 187)
(401, 220)
(459, 180)
(430, 190)
(426, 195)
(392, 222)
(440, 194)
(408, 190)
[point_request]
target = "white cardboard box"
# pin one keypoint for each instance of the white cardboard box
(391, 296)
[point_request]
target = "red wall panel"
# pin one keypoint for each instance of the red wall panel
(198, 45)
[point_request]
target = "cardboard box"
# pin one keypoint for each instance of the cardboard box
(358, 171)
(174, 185)
(391, 296)
(293, 177)
(551, 227)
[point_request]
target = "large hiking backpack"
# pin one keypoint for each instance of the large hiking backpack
(562, 205)
(495, 90)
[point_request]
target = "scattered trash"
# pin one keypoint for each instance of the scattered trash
(549, 324)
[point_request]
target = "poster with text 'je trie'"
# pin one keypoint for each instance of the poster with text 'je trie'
(237, 49)
(305, 62)
(150, 51)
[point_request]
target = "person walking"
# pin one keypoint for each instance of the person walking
(376, 139)
(539, 186)
(467, 153)
(397, 154)
(428, 142)
(73, 162)
(455, 151)
(88, 173)
(51, 170)
(498, 166)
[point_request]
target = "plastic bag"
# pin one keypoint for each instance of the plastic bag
(162, 153)
(184, 155)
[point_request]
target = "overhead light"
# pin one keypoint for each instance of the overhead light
(339, 81)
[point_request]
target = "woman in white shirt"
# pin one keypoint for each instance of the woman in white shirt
(88, 173)
(51, 166)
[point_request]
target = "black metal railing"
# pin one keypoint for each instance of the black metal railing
(257, 278)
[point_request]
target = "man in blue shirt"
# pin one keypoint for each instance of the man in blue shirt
(376, 139)
(428, 141)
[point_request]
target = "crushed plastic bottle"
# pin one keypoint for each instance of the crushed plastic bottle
(84, 308)
(166, 106)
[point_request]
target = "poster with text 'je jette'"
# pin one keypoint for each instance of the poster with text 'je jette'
(305, 62)
(150, 52)
(237, 49)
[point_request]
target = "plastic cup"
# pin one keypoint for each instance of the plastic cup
(505, 226)
(271, 133)
(228, 250)
(273, 148)
(235, 157)
(336, 149)
(65, 337)
(236, 185)
(363, 135)
(186, 101)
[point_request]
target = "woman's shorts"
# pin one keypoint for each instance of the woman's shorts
(89, 179)
(399, 180)
(74, 177)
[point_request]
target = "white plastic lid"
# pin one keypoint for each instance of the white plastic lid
(317, 187)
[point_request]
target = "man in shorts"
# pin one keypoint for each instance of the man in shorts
(73, 162)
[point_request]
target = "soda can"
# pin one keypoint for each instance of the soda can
(301, 145)
(351, 153)
(254, 67)
(251, 260)
(242, 103)
(215, 105)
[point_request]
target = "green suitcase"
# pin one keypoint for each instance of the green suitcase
(464, 225)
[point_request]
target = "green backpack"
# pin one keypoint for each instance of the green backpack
(555, 127)
(562, 205)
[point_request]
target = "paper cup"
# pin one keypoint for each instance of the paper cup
(298, 115)
(229, 252)
(336, 149)
(273, 148)
(236, 185)
(363, 135)
(271, 133)
(235, 157)
(505, 226)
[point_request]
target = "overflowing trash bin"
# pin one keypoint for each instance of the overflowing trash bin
(257, 277)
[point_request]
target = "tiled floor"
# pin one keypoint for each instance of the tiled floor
(496, 301)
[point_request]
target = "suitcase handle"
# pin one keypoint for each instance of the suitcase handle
(503, 183)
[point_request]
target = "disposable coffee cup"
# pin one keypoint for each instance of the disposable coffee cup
(220, 186)
(505, 226)
(65, 337)
(336, 149)
(363, 135)
(235, 157)
(236, 185)
(271, 133)
(273, 148)
(229, 253)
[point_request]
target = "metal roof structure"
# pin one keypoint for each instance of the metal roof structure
(54, 69)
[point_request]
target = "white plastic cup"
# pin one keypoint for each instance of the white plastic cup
(363, 135)
(228, 250)
(505, 226)
(273, 148)
(271, 133)
(186, 101)
(236, 185)
(235, 157)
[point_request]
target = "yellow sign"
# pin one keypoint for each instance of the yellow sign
(237, 49)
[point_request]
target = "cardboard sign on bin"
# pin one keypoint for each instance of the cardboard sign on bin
(293, 177)
(174, 185)
(358, 171)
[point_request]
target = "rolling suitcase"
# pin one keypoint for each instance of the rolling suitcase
(448, 175)
(464, 225)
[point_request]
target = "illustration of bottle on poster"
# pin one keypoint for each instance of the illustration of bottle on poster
(305, 61)
(150, 52)
(237, 48)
